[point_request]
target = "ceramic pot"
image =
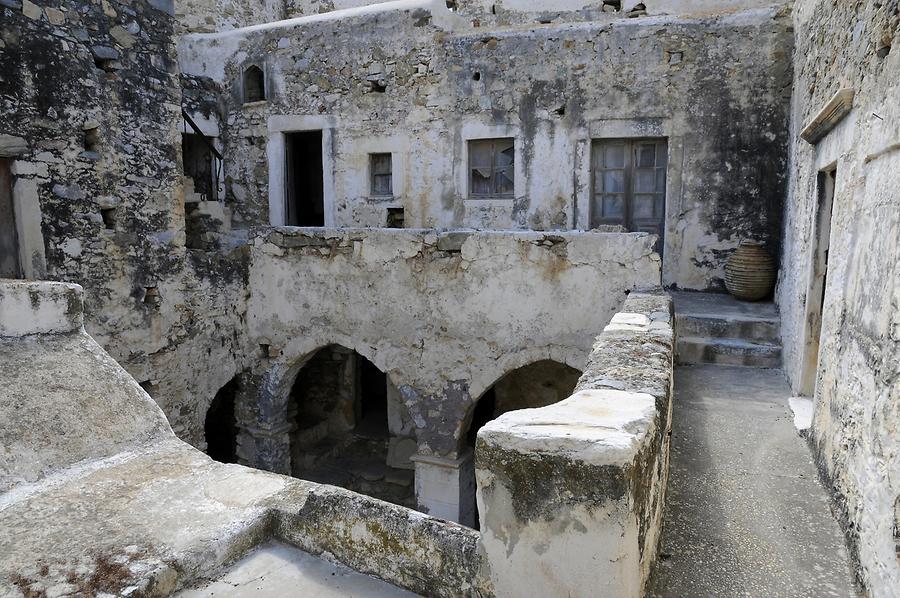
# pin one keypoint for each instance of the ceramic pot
(750, 272)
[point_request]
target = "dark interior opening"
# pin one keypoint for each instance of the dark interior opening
(198, 163)
(340, 435)
(9, 238)
(254, 84)
(372, 393)
(484, 412)
(109, 218)
(220, 427)
(395, 218)
(92, 139)
(305, 182)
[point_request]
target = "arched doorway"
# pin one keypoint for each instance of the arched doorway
(350, 427)
(538, 384)
(220, 428)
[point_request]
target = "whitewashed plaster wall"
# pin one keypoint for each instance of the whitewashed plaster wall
(443, 315)
(713, 85)
(856, 426)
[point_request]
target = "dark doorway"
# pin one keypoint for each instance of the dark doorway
(9, 238)
(220, 427)
(305, 195)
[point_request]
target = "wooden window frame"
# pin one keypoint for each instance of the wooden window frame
(373, 174)
(628, 169)
(494, 168)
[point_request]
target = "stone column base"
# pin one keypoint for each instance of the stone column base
(445, 487)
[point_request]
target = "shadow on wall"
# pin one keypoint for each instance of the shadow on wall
(538, 384)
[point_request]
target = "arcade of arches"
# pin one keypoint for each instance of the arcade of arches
(350, 428)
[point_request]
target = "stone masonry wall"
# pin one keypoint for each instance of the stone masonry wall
(602, 460)
(90, 109)
(857, 394)
(716, 85)
(444, 315)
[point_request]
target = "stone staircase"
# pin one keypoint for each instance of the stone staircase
(716, 328)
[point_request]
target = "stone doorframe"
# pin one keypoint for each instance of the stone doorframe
(26, 206)
(828, 158)
(279, 126)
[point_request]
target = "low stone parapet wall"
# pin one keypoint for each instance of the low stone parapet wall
(429, 556)
(126, 508)
(570, 495)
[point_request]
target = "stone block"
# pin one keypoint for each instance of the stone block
(11, 146)
(31, 10)
(452, 241)
(39, 308)
(400, 450)
(104, 53)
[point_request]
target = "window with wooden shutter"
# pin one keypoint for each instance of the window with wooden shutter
(630, 184)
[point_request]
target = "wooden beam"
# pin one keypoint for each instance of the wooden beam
(828, 117)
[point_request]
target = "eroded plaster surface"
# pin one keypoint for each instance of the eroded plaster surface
(857, 390)
(602, 458)
(444, 314)
(714, 85)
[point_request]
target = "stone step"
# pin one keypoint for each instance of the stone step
(758, 330)
(692, 350)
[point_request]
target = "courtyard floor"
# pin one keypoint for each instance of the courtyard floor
(745, 512)
(279, 571)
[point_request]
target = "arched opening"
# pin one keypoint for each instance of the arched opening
(220, 427)
(538, 384)
(254, 84)
(350, 427)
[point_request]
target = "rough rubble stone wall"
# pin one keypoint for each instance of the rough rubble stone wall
(170, 316)
(443, 315)
(219, 15)
(716, 86)
(856, 427)
(519, 12)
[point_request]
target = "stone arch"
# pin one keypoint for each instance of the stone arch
(508, 365)
(484, 379)
(488, 376)
(338, 418)
(277, 380)
(529, 379)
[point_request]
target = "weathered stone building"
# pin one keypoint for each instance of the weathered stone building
(333, 239)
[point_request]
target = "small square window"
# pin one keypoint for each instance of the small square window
(491, 168)
(381, 168)
(395, 218)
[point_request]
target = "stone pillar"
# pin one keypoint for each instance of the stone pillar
(445, 487)
(266, 448)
